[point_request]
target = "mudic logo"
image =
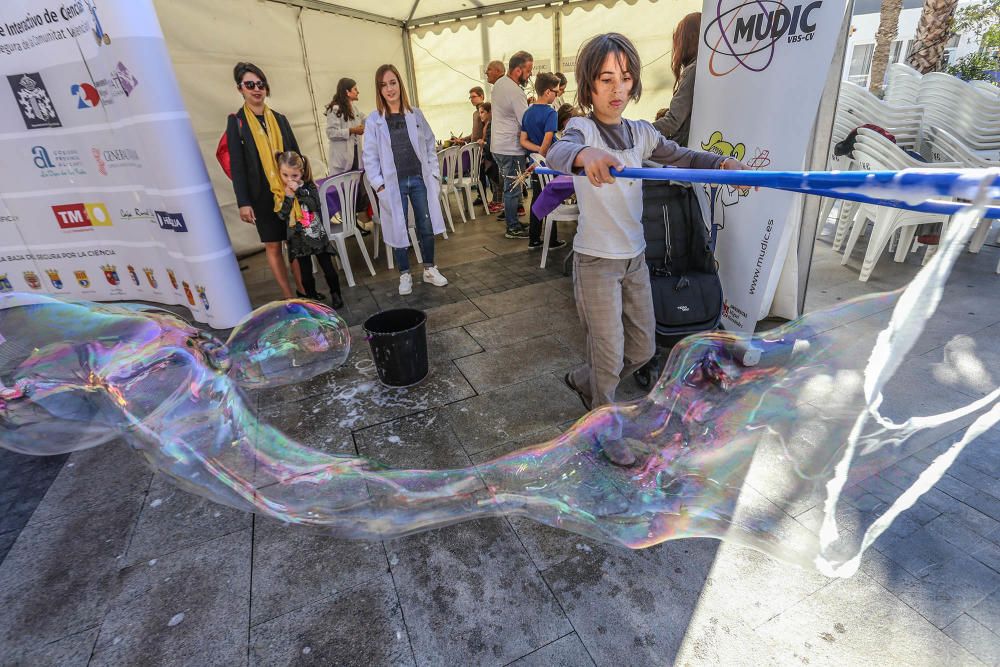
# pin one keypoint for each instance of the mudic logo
(747, 34)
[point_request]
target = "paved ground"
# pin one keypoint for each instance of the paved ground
(114, 566)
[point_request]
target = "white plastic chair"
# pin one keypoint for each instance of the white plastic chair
(376, 218)
(443, 166)
(563, 213)
(346, 186)
(470, 182)
(451, 171)
(945, 146)
(873, 152)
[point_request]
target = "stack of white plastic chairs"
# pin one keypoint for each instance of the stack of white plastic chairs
(855, 107)
(950, 122)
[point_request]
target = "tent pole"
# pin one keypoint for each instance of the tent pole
(557, 41)
(312, 90)
(820, 153)
(411, 73)
(484, 33)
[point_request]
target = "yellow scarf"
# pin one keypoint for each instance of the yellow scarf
(268, 143)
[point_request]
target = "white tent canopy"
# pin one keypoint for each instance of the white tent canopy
(306, 46)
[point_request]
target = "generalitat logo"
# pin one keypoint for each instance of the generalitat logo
(745, 33)
(73, 217)
(33, 101)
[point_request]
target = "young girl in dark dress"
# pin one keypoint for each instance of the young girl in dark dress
(300, 211)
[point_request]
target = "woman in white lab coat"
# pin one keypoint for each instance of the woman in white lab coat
(401, 164)
(345, 126)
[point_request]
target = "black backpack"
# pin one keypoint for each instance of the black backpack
(687, 292)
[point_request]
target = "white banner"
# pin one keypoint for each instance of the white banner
(105, 195)
(762, 65)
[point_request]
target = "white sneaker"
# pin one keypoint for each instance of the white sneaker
(405, 283)
(434, 277)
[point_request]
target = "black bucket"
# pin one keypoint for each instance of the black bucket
(398, 340)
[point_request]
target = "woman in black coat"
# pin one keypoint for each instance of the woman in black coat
(254, 134)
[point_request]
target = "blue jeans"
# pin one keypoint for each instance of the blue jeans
(510, 166)
(414, 188)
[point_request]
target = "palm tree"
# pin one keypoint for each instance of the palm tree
(888, 27)
(933, 33)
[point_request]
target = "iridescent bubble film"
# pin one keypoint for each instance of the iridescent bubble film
(720, 449)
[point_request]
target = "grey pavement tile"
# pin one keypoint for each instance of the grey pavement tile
(943, 592)
(6, 542)
(987, 612)
(855, 621)
(24, 480)
(522, 298)
(314, 423)
(562, 284)
(174, 519)
(294, 566)
(959, 534)
(515, 363)
(566, 651)
(356, 398)
(546, 545)
(752, 586)
(359, 626)
(451, 344)
(423, 441)
(93, 477)
(471, 595)
(920, 551)
(60, 576)
(573, 338)
(72, 651)
(189, 606)
(486, 420)
(519, 326)
(989, 484)
(627, 607)
(959, 511)
(988, 555)
(976, 637)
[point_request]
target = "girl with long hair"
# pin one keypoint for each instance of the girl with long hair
(675, 124)
(401, 164)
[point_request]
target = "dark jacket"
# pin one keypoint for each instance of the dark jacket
(248, 173)
(676, 124)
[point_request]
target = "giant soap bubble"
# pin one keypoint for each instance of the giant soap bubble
(721, 449)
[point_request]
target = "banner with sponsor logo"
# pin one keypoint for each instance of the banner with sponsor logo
(762, 66)
(104, 192)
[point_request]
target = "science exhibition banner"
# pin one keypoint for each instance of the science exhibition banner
(104, 193)
(762, 65)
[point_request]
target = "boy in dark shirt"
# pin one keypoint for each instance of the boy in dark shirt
(538, 130)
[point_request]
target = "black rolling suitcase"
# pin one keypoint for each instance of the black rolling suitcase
(687, 292)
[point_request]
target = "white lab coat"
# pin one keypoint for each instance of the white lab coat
(380, 167)
(342, 142)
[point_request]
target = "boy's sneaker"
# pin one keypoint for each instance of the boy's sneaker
(557, 245)
(336, 300)
(494, 207)
(520, 210)
(434, 277)
(516, 233)
(538, 245)
(405, 284)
